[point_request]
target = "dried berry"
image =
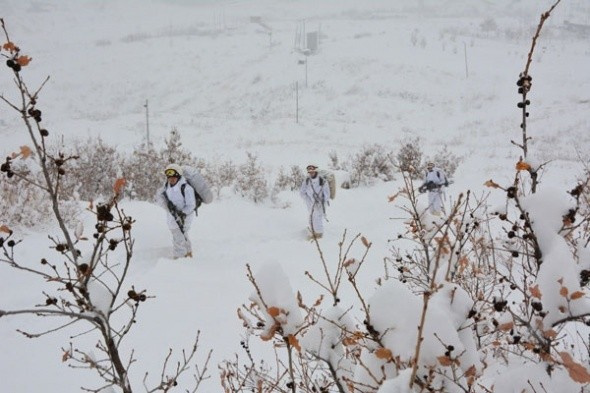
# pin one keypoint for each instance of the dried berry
(516, 339)
(515, 254)
(103, 213)
(511, 234)
(44, 132)
(11, 243)
(499, 305)
(511, 192)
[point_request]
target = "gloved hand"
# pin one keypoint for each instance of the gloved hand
(422, 189)
(446, 183)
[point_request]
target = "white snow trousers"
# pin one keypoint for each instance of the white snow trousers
(435, 203)
(180, 242)
(316, 217)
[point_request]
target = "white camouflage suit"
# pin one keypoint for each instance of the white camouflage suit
(180, 241)
(438, 178)
(316, 197)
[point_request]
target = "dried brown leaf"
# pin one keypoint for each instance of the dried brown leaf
(535, 291)
(319, 301)
(5, 229)
(274, 311)
(577, 295)
(300, 300)
(383, 353)
(9, 46)
(25, 151)
(268, 335)
(522, 166)
(24, 60)
(392, 198)
(506, 326)
(550, 334)
(471, 371)
(366, 243)
(445, 361)
(491, 183)
(577, 372)
(119, 184)
(563, 291)
(294, 342)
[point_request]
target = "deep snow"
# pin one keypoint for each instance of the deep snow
(210, 72)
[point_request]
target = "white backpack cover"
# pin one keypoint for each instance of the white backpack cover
(331, 179)
(198, 182)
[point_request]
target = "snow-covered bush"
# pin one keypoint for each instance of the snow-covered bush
(23, 203)
(481, 300)
(219, 175)
(371, 163)
(85, 284)
(174, 152)
(251, 182)
(143, 170)
(89, 176)
(446, 160)
(289, 181)
(409, 158)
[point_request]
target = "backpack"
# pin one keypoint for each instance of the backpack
(199, 184)
(330, 178)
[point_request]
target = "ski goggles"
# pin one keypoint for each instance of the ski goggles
(171, 173)
(311, 168)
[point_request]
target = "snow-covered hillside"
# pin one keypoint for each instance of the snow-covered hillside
(385, 72)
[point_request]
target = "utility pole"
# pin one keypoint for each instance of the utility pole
(465, 51)
(147, 122)
(306, 61)
(296, 102)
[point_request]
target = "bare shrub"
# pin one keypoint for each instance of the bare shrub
(174, 152)
(143, 170)
(446, 160)
(409, 158)
(89, 177)
(251, 181)
(86, 286)
(334, 161)
(23, 203)
(289, 181)
(219, 175)
(371, 163)
(488, 25)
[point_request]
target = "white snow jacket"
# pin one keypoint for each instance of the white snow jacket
(313, 193)
(436, 177)
(185, 204)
